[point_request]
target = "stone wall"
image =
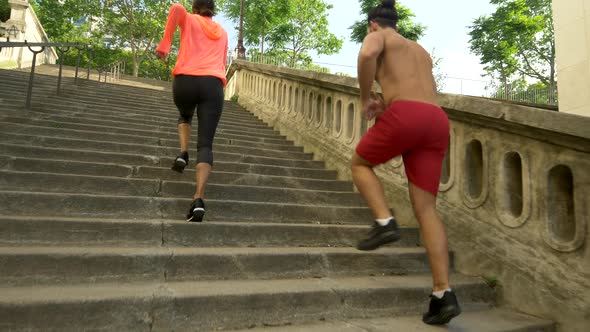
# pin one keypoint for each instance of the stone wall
(515, 191)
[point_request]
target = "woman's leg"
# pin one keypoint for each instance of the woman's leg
(185, 101)
(208, 114)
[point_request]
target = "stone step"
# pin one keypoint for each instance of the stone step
(144, 104)
(491, 320)
(40, 152)
(109, 146)
(169, 128)
(16, 102)
(46, 231)
(167, 134)
(19, 203)
(102, 185)
(217, 305)
(236, 173)
(91, 91)
(220, 138)
(164, 120)
(28, 266)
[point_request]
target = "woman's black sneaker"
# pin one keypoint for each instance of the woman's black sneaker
(380, 235)
(441, 311)
(180, 162)
(197, 211)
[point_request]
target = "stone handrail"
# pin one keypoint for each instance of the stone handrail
(515, 190)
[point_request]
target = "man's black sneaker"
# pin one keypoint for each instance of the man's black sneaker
(197, 211)
(180, 163)
(380, 235)
(441, 311)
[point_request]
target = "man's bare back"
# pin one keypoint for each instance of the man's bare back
(404, 70)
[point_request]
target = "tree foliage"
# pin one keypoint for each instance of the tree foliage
(261, 18)
(118, 29)
(4, 10)
(137, 25)
(406, 27)
(517, 39)
(306, 29)
(288, 29)
(67, 20)
(521, 91)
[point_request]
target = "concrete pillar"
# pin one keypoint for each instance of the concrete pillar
(572, 38)
(18, 15)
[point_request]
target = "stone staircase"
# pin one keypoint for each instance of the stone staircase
(92, 236)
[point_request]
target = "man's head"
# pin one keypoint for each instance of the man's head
(383, 16)
(204, 7)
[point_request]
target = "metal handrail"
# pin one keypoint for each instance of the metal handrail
(62, 48)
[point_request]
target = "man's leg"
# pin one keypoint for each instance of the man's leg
(385, 229)
(433, 235)
(370, 187)
(443, 303)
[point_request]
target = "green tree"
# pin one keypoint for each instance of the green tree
(118, 30)
(137, 25)
(4, 10)
(519, 90)
(406, 27)
(261, 18)
(67, 20)
(439, 75)
(306, 29)
(517, 39)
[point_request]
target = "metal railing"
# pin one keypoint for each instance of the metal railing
(114, 69)
(280, 62)
(494, 90)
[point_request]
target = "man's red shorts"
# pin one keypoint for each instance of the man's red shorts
(417, 131)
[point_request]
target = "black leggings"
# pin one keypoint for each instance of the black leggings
(205, 94)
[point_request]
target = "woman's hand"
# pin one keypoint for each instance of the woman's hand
(161, 55)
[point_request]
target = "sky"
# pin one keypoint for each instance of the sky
(447, 23)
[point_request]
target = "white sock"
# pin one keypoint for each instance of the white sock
(384, 222)
(439, 295)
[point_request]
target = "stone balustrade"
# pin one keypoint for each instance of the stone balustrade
(515, 190)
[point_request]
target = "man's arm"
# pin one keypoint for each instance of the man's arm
(373, 46)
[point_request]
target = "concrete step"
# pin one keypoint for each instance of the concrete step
(166, 119)
(102, 185)
(46, 231)
(220, 138)
(217, 305)
(52, 102)
(169, 128)
(246, 179)
(109, 146)
(492, 320)
(35, 266)
(19, 203)
(167, 134)
(142, 101)
(41, 152)
(239, 172)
